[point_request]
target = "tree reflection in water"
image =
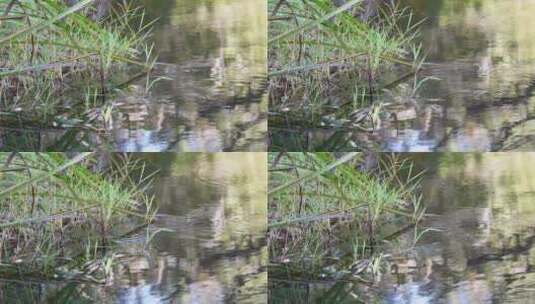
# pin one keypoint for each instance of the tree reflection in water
(213, 56)
(214, 206)
(483, 253)
(483, 54)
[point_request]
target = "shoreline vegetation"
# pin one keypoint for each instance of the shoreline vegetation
(60, 67)
(330, 65)
(61, 218)
(332, 215)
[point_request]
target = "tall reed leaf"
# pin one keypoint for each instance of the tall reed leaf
(34, 28)
(344, 159)
(316, 22)
(77, 159)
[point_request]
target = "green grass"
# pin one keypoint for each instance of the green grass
(326, 216)
(58, 67)
(326, 64)
(60, 216)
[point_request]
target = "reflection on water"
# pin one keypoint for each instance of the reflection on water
(213, 56)
(214, 208)
(483, 52)
(484, 253)
(485, 249)
(214, 52)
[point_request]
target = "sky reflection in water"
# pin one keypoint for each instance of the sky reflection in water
(484, 251)
(213, 207)
(483, 53)
(212, 54)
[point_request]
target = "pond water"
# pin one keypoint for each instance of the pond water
(213, 207)
(483, 54)
(212, 54)
(484, 251)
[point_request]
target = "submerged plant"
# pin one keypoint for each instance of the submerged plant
(60, 216)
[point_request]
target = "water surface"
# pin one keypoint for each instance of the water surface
(483, 54)
(212, 57)
(213, 210)
(484, 251)
(214, 52)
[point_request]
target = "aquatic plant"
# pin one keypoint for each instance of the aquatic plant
(60, 216)
(328, 67)
(58, 66)
(329, 217)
